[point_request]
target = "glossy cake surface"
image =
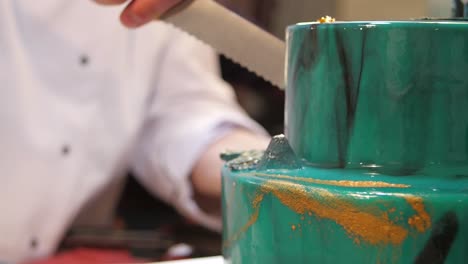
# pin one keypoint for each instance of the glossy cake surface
(374, 165)
(312, 215)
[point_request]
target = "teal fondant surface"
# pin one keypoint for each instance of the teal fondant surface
(393, 95)
(375, 165)
(282, 233)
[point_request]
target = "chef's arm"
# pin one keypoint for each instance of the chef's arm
(192, 117)
(140, 12)
(206, 174)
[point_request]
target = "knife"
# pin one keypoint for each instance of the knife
(233, 36)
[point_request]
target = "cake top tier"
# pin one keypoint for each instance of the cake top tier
(390, 96)
(423, 21)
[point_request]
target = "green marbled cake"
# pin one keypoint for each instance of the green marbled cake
(375, 165)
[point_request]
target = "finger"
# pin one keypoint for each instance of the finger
(139, 12)
(110, 2)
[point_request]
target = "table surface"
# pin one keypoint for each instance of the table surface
(209, 260)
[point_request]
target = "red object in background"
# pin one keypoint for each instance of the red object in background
(90, 256)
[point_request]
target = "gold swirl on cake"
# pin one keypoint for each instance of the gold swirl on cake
(368, 224)
(342, 183)
(372, 228)
(252, 219)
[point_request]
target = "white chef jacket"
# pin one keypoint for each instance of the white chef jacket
(82, 99)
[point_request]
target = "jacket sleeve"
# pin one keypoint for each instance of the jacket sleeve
(191, 107)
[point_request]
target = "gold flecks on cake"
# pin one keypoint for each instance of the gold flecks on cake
(357, 241)
(362, 223)
(326, 19)
(342, 183)
(421, 221)
(253, 218)
(371, 228)
(257, 200)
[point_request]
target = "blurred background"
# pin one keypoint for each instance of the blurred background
(126, 216)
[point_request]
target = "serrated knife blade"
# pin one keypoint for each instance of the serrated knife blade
(233, 36)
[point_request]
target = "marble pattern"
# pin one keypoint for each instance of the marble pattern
(390, 96)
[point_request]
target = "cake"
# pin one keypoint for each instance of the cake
(373, 167)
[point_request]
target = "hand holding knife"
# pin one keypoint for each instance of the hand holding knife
(140, 12)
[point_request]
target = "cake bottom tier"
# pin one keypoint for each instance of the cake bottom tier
(314, 215)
